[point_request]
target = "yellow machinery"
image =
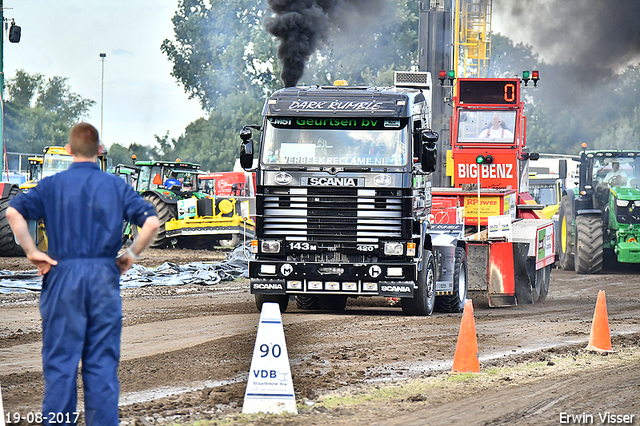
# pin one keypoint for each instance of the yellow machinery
(472, 38)
(34, 172)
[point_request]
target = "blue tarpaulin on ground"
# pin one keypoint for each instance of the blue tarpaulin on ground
(235, 265)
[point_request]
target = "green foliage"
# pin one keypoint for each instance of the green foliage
(224, 57)
(221, 49)
(122, 155)
(40, 112)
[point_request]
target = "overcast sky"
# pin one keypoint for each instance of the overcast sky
(65, 38)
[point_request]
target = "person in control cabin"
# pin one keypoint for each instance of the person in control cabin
(616, 176)
(497, 129)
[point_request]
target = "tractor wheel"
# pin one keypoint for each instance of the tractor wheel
(332, 303)
(541, 286)
(282, 301)
(424, 297)
(231, 242)
(8, 245)
(589, 245)
(565, 239)
(455, 302)
(306, 303)
(165, 213)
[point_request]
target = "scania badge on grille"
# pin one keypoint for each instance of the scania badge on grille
(382, 180)
(283, 178)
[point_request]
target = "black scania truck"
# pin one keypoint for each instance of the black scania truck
(343, 195)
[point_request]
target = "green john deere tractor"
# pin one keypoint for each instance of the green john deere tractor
(164, 184)
(601, 217)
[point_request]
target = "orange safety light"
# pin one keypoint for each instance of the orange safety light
(157, 180)
(177, 160)
(340, 83)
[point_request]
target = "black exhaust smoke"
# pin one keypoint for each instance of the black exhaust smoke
(300, 25)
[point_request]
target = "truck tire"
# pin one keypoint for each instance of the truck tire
(8, 245)
(307, 303)
(454, 303)
(282, 301)
(541, 286)
(565, 237)
(589, 252)
(424, 297)
(165, 213)
(332, 303)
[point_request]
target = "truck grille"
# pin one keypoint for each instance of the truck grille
(334, 215)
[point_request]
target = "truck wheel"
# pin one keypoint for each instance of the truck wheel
(541, 286)
(454, 303)
(306, 303)
(424, 297)
(165, 213)
(282, 301)
(589, 252)
(8, 245)
(332, 303)
(565, 238)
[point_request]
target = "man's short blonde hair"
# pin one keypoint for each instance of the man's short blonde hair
(84, 140)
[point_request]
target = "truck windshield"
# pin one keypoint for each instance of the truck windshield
(335, 141)
(486, 126)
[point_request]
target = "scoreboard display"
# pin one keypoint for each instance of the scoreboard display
(489, 91)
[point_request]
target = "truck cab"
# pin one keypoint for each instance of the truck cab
(343, 195)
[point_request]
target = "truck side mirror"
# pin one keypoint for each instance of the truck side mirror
(429, 151)
(246, 149)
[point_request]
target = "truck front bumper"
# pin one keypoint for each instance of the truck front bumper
(379, 279)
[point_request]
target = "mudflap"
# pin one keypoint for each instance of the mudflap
(525, 271)
(509, 283)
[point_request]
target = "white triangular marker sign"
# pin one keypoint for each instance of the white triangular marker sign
(1, 409)
(270, 387)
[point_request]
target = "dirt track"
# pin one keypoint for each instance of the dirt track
(187, 350)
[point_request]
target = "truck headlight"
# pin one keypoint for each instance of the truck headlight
(622, 203)
(636, 203)
(393, 249)
(270, 246)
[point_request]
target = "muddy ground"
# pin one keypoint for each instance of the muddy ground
(186, 355)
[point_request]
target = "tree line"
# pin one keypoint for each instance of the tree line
(223, 57)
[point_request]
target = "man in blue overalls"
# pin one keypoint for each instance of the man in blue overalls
(83, 210)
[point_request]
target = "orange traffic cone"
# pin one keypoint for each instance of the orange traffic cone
(466, 358)
(600, 339)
